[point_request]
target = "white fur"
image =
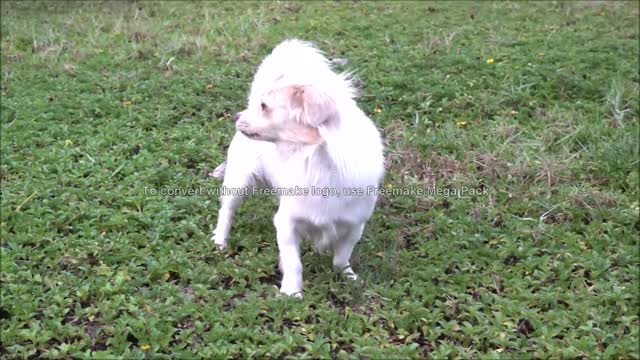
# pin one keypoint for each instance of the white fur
(349, 155)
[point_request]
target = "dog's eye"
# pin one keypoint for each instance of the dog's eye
(263, 106)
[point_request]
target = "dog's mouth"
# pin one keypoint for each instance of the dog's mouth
(249, 134)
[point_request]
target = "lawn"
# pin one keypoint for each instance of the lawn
(106, 107)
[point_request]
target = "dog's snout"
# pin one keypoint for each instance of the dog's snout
(236, 117)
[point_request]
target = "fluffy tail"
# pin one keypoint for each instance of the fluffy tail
(218, 172)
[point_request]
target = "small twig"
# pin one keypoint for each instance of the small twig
(27, 199)
(546, 167)
(117, 170)
(544, 216)
(497, 283)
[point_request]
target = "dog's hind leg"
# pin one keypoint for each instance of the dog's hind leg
(343, 248)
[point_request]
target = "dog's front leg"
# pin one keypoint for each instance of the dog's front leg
(225, 217)
(289, 247)
(235, 188)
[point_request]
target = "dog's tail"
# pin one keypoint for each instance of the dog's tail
(218, 172)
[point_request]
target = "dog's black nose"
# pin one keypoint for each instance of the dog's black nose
(236, 117)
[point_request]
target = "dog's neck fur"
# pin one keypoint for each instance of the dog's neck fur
(331, 150)
(340, 152)
(286, 149)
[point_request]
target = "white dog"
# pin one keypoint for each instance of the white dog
(303, 136)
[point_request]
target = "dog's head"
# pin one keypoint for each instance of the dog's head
(288, 114)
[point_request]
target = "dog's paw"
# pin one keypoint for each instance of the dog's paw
(291, 288)
(347, 272)
(220, 244)
(339, 61)
(295, 294)
(350, 274)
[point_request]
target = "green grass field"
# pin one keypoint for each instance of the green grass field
(105, 105)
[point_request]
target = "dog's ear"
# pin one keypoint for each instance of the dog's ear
(315, 106)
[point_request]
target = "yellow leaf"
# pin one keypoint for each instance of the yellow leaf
(490, 61)
(145, 347)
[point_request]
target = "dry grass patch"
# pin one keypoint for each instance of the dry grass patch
(489, 165)
(552, 172)
(442, 41)
(413, 166)
(506, 132)
(591, 198)
(48, 48)
(547, 171)
(139, 36)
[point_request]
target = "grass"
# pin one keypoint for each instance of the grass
(105, 103)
